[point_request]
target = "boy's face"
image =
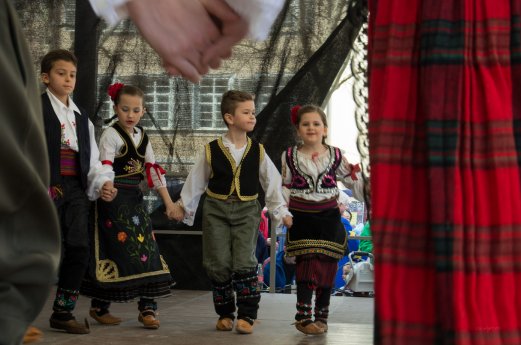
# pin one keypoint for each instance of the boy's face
(244, 117)
(61, 79)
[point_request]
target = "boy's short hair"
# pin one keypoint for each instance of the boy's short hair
(54, 55)
(231, 98)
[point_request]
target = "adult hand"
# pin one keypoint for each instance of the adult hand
(182, 31)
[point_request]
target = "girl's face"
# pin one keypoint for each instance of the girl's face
(311, 128)
(129, 110)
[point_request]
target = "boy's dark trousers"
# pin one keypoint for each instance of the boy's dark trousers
(73, 209)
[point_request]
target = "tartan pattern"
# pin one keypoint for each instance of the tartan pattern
(445, 138)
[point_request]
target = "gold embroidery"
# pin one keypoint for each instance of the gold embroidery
(106, 270)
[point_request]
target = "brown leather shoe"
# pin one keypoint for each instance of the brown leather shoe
(70, 326)
(32, 334)
(148, 319)
(243, 327)
(310, 328)
(322, 325)
(224, 324)
(105, 319)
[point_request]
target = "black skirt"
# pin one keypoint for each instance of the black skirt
(125, 261)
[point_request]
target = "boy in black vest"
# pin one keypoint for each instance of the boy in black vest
(77, 177)
(229, 171)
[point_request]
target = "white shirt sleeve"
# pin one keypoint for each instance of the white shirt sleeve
(158, 178)
(260, 15)
(271, 183)
(98, 173)
(194, 186)
(110, 10)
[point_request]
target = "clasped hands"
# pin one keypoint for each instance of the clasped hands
(190, 36)
(108, 192)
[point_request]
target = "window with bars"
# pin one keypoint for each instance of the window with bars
(201, 101)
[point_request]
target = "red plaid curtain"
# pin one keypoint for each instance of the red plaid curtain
(445, 139)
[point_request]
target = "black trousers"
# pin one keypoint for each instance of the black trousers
(73, 210)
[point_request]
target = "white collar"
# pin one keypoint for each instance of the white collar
(60, 105)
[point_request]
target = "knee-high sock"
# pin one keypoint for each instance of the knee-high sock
(223, 298)
(248, 295)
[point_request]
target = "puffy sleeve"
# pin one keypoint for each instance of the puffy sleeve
(155, 174)
(351, 177)
(286, 177)
(111, 11)
(194, 186)
(98, 173)
(270, 180)
(260, 15)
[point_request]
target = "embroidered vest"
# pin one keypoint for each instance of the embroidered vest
(131, 160)
(228, 176)
(53, 134)
(326, 181)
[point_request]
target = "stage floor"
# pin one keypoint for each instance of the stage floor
(187, 318)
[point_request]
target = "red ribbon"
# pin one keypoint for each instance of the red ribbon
(354, 169)
(159, 171)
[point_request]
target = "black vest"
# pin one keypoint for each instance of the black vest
(53, 134)
(228, 176)
(131, 160)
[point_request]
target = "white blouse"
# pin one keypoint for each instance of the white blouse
(111, 144)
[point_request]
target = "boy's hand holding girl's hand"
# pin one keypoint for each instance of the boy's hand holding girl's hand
(175, 211)
(170, 210)
(108, 192)
(287, 221)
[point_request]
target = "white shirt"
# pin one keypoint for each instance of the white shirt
(197, 182)
(260, 14)
(111, 144)
(98, 174)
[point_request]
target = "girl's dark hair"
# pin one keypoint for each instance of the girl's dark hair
(124, 90)
(128, 90)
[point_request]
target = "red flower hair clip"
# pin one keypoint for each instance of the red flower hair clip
(114, 89)
(294, 114)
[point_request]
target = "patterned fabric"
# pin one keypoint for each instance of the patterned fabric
(131, 161)
(303, 311)
(248, 295)
(65, 299)
(68, 162)
(316, 232)
(231, 177)
(223, 298)
(325, 183)
(445, 137)
(126, 263)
